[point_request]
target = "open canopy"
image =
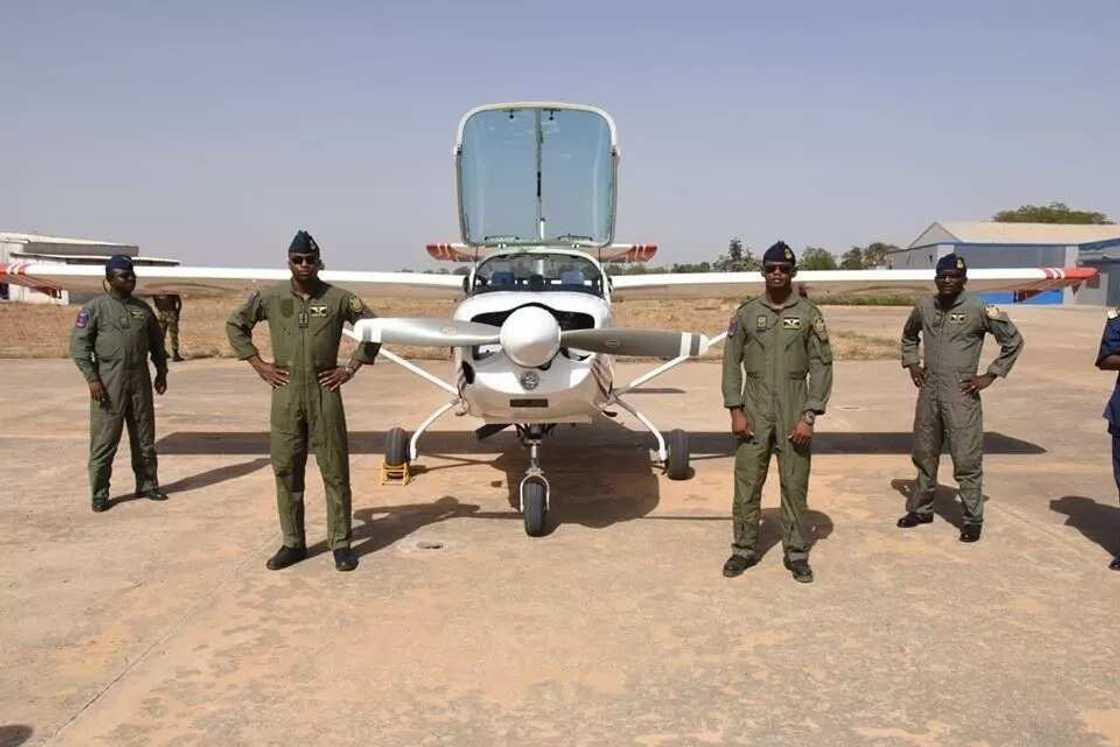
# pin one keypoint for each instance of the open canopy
(532, 174)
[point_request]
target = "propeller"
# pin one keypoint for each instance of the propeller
(656, 343)
(426, 332)
(530, 336)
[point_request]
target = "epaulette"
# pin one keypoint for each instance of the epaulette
(1114, 312)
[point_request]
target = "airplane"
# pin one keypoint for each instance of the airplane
(532, 337)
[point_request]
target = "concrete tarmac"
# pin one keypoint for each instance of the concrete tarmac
(157, 623)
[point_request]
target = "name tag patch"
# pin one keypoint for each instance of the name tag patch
(318, 312)
(791, 322)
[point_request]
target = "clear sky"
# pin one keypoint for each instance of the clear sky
(211, 133)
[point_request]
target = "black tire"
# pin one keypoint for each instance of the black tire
(396, 447)
(677, 443)
(535, 512)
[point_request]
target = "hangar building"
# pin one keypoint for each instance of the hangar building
(991, 244)
(26, 247)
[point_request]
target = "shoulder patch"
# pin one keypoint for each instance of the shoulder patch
(356, 304)
(82, 320)
(733, 325)
(1113, 313)
(820, 329)
(992, 311)
(253, 296)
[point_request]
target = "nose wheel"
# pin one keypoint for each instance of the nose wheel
(533, 491)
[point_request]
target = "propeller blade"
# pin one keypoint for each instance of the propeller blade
(426, 332)
(656, 343)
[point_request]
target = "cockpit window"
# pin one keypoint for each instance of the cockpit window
(538, 273)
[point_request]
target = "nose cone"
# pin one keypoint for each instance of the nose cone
(530, 336)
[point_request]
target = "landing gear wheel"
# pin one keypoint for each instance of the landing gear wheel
(677, 467)
(535, 510)
(396, 447)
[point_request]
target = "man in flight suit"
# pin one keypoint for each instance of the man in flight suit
(305, 318)
(1108, 359)
(167, 310)
(951, 327)
(112, 339)
(776, 340)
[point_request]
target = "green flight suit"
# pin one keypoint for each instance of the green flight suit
(952, 339)
(777, 347)
(305, 334)
(111, 342)
(167, 312)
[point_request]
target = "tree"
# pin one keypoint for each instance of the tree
(1055, 212)
(739, 258)
(816, 258)
(875, 254)
(852, 259)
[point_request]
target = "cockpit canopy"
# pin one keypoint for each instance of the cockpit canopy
(533, 174)
(538, 272)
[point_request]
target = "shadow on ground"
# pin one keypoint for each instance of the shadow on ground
(1097, 522)
(945, 503)
(705, 443)
(13, 735)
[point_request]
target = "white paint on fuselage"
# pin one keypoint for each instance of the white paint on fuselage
(576, 385)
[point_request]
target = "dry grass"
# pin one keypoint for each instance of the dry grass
(33, 331)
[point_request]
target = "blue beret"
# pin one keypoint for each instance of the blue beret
(117, 262)
(303, 244)
(780, 252)
(951, 262)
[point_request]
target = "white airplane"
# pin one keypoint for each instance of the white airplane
(532, 339)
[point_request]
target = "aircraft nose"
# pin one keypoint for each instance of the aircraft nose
(530, 336)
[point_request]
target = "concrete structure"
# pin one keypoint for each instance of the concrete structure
(26, 247)
(990, 244)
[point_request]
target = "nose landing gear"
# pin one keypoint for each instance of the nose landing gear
(534, 490)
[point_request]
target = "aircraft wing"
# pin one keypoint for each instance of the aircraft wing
(832, 282)
(197, 281)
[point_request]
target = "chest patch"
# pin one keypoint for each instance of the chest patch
(760, 322)
(956, 318)
(318, 312)
(791, 322)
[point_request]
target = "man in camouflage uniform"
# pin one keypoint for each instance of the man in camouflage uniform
(305, 319)
(167, 309)
(777, 340)
(951, 327)
(112, 339)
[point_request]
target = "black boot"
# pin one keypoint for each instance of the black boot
(1114, 565)
(800, 569)
(345, 559)
(970, 533)
(155, 494)
(285, 557)
(101, 504)
(736, 564)
(912, 519)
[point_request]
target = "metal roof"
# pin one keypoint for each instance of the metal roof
(990, 232)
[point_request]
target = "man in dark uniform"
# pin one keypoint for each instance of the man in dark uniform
(112, 339)
(1108, 359)
(951, 327)
(777, 340)
(305, 319)
(168, 307)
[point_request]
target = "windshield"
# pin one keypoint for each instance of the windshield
(534, 175)
(538, 273)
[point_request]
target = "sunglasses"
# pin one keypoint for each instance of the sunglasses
(783, 269)
(303, 259)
